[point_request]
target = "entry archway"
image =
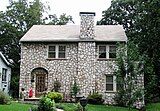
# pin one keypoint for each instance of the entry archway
(40, 77)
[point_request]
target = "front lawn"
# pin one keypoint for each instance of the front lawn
(89, 107)
(15, 106)
(153, 107)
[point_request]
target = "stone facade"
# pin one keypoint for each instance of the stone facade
(80, 63)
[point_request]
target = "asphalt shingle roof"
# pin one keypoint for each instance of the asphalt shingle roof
(52, 33)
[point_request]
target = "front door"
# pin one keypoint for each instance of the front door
(40, 84)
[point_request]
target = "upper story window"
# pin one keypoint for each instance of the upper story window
(57, 51)
(107, 51)
(112, 51)
(102, 52)
(4, 74)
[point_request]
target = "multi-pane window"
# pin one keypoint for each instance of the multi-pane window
(52, 52)
(57, 51)
(62, 52)
(111, 83)
(4, 74)
(107, 51)
(112, 51)
(102, 52)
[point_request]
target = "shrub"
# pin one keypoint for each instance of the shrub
(33, 108)
(95, 98)
(4, 98)
(59, 106)
(57, 85)
(78, 107)
(46, 104)
(57, 97)
(74, 90)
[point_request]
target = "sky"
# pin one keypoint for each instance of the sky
(72, 7)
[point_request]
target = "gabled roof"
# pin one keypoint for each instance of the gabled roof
(4, 59)
(51, 33)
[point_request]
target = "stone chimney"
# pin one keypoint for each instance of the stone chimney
(87, 25)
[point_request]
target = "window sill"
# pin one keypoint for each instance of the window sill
(4, 82)
(105, 59)
(110, 91)
(56, 59)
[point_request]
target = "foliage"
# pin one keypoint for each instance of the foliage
(78, 107)
(33, 108)
(57, 85)
(75, 89)
(56, 96)
(14, 85)
(59, 106)
(141, 20)
(95, 98)
(128, 72)
(4, 98)
(46, 104)
(62, 20)
(74, 107)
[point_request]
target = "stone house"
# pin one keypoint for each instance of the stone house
(5, 74)
(67, 52)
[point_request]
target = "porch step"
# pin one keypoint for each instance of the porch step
(30, 101)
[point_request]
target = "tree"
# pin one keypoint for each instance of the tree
(129, 71)
(75, 89)
(19, 17)
(141, 21)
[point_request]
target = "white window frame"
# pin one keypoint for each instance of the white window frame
(107, 51)
(56, 51)
(114, 83)
(5, 74)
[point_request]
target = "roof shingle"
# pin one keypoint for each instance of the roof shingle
(51, 33)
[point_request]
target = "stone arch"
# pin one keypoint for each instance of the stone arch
(39, 81)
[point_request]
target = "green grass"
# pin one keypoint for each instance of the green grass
(153, 107)
(89, 107)
(15, 106)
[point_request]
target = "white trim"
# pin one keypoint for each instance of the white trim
(56, 51)
(114, 83)
(107, 51)
(4, 58)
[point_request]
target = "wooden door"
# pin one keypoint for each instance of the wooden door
(40, 84)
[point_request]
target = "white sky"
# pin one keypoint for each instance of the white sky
(72, 7)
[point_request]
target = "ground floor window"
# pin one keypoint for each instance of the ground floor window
(111, 83)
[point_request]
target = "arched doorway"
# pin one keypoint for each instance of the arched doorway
(39, 77)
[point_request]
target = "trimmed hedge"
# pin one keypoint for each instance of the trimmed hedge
(95, 98)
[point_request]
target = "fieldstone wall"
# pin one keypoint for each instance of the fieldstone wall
(86, 67)
(81, 63)
(35, 56)
(87, 26)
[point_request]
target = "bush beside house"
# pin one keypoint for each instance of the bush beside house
(4, 98)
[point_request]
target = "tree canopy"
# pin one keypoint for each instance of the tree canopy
(141, 21)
